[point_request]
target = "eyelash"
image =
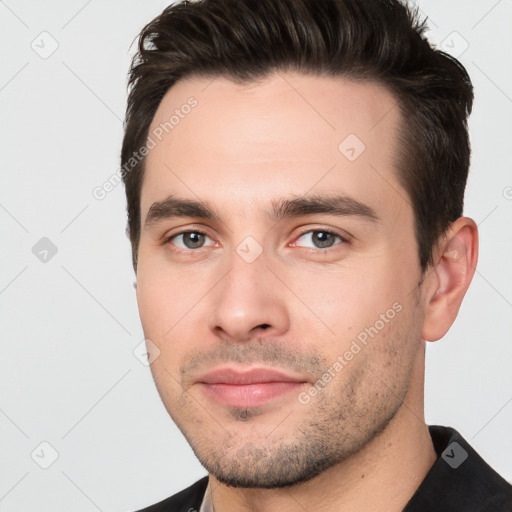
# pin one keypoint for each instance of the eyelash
(343, 239)
(169, 239)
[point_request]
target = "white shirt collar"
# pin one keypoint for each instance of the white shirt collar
(206, 505)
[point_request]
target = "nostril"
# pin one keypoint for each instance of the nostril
(264, 326)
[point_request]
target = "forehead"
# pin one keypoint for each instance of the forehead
(217, 140)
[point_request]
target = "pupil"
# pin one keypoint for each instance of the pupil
(193, 240)
(323, 239)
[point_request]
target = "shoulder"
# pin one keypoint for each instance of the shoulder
(460, 479)
(188, 500)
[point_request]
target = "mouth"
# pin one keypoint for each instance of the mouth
(248, 388)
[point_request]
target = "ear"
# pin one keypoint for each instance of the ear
(455, 262)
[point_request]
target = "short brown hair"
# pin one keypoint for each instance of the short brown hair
(380, 41)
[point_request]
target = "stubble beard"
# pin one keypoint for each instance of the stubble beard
(341, 419)
(327, 435)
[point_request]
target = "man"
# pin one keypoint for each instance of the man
(295, 173)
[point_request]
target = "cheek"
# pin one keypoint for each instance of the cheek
(153, 300)
(165, 295)
(342, 298)
(160, 311)
(356, 302)
(172, 308)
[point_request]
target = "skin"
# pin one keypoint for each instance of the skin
(360, 443)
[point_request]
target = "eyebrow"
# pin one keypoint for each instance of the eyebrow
(177, 207)
(339, 205)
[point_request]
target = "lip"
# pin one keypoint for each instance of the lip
(229, 375)
(247, 388)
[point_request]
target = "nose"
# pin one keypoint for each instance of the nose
(248, 303)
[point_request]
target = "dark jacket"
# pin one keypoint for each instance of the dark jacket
(459, 481)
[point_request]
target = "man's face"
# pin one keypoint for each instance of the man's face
(289, 326)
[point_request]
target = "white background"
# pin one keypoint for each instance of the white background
(69, 326)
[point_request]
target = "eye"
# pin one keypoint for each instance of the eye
(190, 240)
(318, 239)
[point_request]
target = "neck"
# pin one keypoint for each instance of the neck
(381, 477)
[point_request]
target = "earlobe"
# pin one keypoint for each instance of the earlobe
(454, 267)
